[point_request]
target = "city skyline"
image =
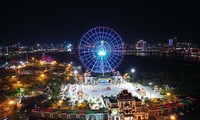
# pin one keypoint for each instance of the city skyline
(53, 22)
(99, 60)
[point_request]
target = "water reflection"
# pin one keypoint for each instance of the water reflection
(192, 58)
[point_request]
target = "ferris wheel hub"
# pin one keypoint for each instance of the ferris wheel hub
(102, 53)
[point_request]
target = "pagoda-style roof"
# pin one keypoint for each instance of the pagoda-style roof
(113, 100)
(124, 95)
(46, 58)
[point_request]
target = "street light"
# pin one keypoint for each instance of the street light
(69, 65)
(75, 72)
(150, 91)
(168, 94)
(41, 63)
(132, 72)
(42, 75)
(60, 103)
(11, 102)
(172, 117)
(150, 83)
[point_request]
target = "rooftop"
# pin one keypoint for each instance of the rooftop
(125, 95)
(113, 100)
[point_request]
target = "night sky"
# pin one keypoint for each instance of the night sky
(54, 22)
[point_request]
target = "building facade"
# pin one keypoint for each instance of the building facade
(126, 107)
(141, 45)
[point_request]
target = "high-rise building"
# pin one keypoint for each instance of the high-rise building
(141, 45)
(170, 42)
(175, 40)
(18, 45)
(1, 50)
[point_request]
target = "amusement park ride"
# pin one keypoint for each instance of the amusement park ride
(101, 50)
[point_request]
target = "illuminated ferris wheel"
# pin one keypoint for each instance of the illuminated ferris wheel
(101, 50)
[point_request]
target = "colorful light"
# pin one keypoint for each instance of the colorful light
(11, 102)
(168, 94)
(172, 117)
(103, 52)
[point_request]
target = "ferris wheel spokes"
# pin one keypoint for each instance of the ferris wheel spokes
(101, 50)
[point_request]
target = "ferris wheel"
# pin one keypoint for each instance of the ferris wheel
(101, 50)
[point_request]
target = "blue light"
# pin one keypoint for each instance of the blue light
(102, 53)
(104, 81)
